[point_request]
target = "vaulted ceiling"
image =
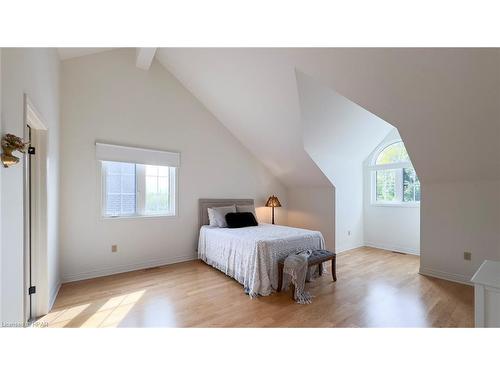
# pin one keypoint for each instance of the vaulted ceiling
(253, 92)
(444, 102)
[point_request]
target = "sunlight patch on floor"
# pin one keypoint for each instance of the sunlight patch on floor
(100, 313)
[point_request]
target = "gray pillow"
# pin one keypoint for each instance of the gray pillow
(246, 208)
(217, 215)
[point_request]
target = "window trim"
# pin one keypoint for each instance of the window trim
(399, 166)
(173, 189)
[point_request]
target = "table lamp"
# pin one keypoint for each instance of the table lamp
(273, 201)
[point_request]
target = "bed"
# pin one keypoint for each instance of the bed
(250, 255)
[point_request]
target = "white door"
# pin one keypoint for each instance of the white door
(35, 216)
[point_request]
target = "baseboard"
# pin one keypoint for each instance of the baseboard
(455, 277)
(127, 268)
(342, 249)
(400, 249)
(54, 295)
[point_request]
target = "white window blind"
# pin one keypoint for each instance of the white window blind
(125, 154)
(119, 184)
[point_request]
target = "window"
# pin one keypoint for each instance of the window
(157, 190)
(137, 181)
(411, 186)
(386, 185)
(119, 188)
(395, 153)
(394, 180)
(137, 190)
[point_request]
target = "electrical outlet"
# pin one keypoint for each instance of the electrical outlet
(467, 255)
(114, 248)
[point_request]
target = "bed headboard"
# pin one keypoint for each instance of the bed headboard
(203, 204)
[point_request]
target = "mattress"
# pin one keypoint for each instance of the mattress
(250, 255)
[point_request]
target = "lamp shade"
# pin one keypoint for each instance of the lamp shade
(273, 201)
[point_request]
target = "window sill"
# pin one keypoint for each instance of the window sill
(397, 205)
(138, 217)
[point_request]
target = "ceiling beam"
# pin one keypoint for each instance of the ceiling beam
(145, 57)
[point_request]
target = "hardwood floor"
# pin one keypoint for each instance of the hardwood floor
(375, 288)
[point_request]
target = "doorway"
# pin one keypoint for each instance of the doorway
(35, 209)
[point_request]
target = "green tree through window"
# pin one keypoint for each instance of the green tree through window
(395, 179)
(386, 185)
(395, 153)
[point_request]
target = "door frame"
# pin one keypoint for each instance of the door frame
(35, 214)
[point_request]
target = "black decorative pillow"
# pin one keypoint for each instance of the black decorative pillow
(240, 220)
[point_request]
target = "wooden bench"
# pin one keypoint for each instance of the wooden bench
(317, 258)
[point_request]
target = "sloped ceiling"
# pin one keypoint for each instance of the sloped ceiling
(338, 134)
(253, 93)
(444, 102)
(70, 53)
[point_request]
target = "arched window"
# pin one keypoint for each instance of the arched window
(394, 153)
(394, 180)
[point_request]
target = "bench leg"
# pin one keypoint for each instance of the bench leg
(280, 277)
(334, 269)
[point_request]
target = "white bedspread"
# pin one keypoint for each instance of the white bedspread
(251, 254)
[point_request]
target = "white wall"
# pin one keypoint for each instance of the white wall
(106, 98)
(349, 229)
(390, 228)
(34, 72)
(1, 134)
(458, 217)
(338, 134)
(313, 208)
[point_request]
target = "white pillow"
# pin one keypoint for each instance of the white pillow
(217, 215)
(246, 208)
(211, 217)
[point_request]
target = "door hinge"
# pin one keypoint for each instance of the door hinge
(31, 150)
(32, 290)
